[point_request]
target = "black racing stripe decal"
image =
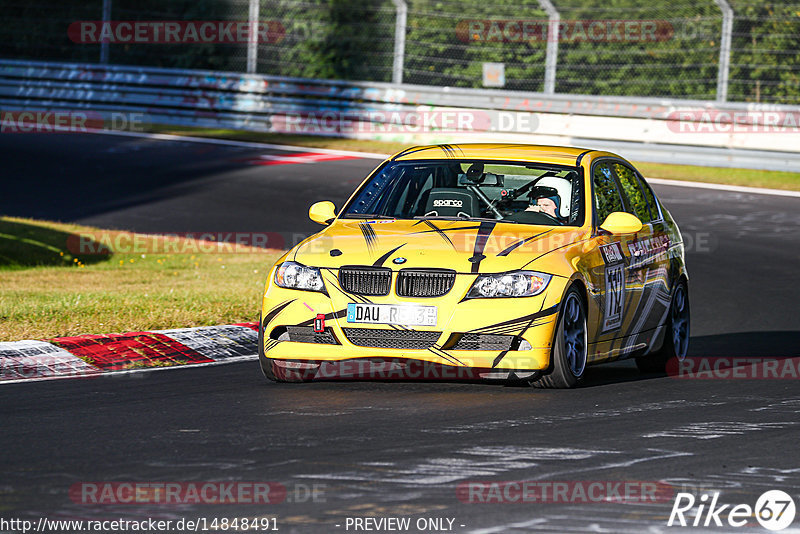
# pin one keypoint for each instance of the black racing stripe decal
(369, 235)
(530, 323)
(520, 320)
(274, 312)
(353, 296)
(519, 243)
(270, 344)
(484, 230)
(412, 150)
(437, 350)
(443, 230)
(379, 262)
(499, 358)
(557, 248)
(453, 149)
(440, 233)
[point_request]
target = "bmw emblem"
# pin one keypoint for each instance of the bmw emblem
(399, 261)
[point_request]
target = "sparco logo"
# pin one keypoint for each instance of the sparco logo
(447, 203)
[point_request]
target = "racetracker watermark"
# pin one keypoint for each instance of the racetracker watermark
(734, 368)
(703, 121)
(413, 122)
(104, 242)
(381, 369)
(559, 492)
(175, 31)
(567, 31)
(196, 492)
(65, 121)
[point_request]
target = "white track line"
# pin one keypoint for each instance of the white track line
(722, 187)
(248, 144)
(372, 155)
(116, 373)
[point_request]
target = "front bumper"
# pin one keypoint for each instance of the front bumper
(484, 325)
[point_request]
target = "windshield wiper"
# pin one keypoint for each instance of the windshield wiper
(455, 218)
(367, 216)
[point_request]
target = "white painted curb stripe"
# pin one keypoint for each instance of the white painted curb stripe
(372, 155)
(220, 343)
(246, 144)
(29, 359)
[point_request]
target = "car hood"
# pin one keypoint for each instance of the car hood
(465, 246)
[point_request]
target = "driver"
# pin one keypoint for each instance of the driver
(545, 200)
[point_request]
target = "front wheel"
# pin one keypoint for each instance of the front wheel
(287, 372)
(568, 358)
(676, 338)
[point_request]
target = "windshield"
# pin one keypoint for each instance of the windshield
(526, 193)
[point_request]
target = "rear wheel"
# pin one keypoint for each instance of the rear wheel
(568, 358)
(676, 338)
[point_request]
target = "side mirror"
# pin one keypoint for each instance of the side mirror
(620, 222)
(322, 212)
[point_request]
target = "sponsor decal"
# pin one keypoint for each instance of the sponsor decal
(612, 254)
(447, 203)
(647, 250)
(614, 285)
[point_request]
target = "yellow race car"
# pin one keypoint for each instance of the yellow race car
(481, 261)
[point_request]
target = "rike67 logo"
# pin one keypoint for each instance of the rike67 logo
(774, 510)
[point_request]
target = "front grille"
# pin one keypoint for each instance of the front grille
(425, 283)
(391, 339)
(365, 280)
(479, 342)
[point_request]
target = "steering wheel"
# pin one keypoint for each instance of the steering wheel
(531, 217)
(550, 217)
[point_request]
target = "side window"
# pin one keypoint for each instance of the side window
(606, 194)
(631, 189)
(651, 199)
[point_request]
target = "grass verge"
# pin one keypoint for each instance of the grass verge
(692, 173)
(52, 284)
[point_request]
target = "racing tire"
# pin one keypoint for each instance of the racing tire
(276, 373)
(569, 353)
(676, 338)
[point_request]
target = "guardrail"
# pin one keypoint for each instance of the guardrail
(263, 103)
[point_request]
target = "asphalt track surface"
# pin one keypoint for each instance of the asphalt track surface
(378, 449)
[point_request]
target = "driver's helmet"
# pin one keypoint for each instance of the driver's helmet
(559, 190)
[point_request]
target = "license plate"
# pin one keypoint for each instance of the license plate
(391, 314)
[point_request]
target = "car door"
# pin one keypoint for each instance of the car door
(649, 260)
(608, 262)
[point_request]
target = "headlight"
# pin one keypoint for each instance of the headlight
(292, 275)
(513, 284)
